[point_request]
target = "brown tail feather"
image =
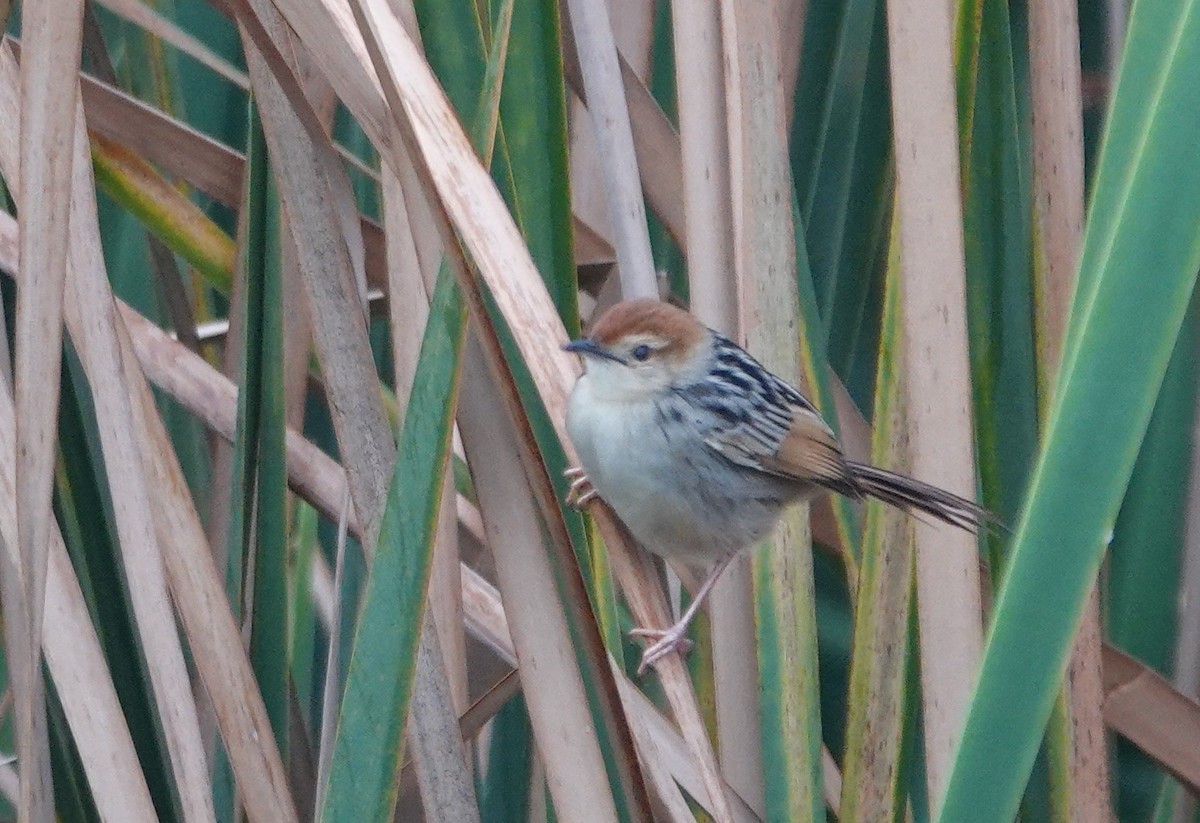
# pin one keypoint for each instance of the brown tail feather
(914, 496)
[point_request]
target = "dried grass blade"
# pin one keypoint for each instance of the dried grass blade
(310, 178)
(554, 691)
(213, 636)
(769, 314)
(95, 335)
(146, 18)
(882, 608)
(655, 143)
(74, 657)
(54, 29)
(1168, 730)
(601, 70)
(96, 339)
(325, 262)
(155, 137)
(397, 64)
(935, 363)
(703, 148)
(214, 639)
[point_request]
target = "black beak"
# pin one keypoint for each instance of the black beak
(587, 347)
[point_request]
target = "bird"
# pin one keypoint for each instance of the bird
(699, 449)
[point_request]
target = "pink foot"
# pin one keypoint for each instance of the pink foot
(581, 490)
(666, 641)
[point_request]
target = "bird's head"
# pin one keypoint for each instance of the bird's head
(641, 348)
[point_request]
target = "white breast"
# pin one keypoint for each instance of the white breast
(665, 484)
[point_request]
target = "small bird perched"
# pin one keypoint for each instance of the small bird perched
(699, 449)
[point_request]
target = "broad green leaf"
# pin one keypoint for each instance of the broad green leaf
(269, 623)
(370, 732)
(1124, 329)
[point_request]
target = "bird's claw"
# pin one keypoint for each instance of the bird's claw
(581, 490)
(666, 641)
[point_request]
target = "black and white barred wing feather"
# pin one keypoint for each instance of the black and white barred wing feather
(757, 421)
(760, 422)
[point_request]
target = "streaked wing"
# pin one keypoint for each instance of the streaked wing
(756, 420)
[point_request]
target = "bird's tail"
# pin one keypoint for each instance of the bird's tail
(913, 496)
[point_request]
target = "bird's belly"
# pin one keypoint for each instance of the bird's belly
(678, 498)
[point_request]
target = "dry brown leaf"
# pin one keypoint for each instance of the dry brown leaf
(1156, 718)
(633, 30)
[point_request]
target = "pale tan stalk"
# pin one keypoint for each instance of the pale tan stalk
(654, 141)
(609, 116)
(703, 141)
(54, 31)
(882, 607)
(1058, 218)
(73, 655)
(792, 14)
(569, 749)
(1167, 732)
(765, 259)
(633, 30)
(934, 363)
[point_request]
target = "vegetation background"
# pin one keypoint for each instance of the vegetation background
(281, 522)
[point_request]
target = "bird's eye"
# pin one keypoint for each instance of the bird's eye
(641, 352)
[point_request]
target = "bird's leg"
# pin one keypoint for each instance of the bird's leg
(581, 490)
(675, 638)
